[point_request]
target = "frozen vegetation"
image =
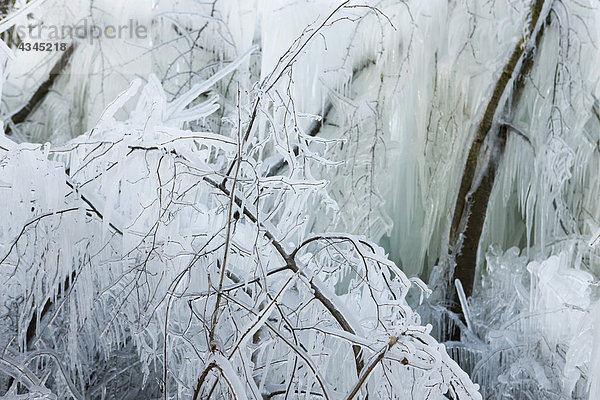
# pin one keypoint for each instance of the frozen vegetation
(300, 200)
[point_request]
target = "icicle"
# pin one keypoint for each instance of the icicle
(463, 303)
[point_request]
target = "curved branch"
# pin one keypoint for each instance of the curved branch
(291, 264)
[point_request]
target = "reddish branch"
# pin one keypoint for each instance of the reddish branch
(365, 374)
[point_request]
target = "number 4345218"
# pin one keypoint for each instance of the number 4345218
(25, 46)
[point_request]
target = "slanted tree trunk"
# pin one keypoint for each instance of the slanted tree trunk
(474, 194)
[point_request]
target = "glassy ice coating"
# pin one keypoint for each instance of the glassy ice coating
(233, 207)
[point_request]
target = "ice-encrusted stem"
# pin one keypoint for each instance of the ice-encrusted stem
(365, 374)
(480, 172)
(291, 265)
(460, 292)
(316, 126)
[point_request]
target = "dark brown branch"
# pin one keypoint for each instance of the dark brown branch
(40, 94)
(316, 126)
(33, 221)
(6, 7)
(291, 264)
(201, 379)
(32, 326)
(365, 374)
(313, 130)
(94, 209)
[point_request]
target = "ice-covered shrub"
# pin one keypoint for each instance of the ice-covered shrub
(146, 259)
(531, 328)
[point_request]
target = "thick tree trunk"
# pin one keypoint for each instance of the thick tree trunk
(474, 194)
